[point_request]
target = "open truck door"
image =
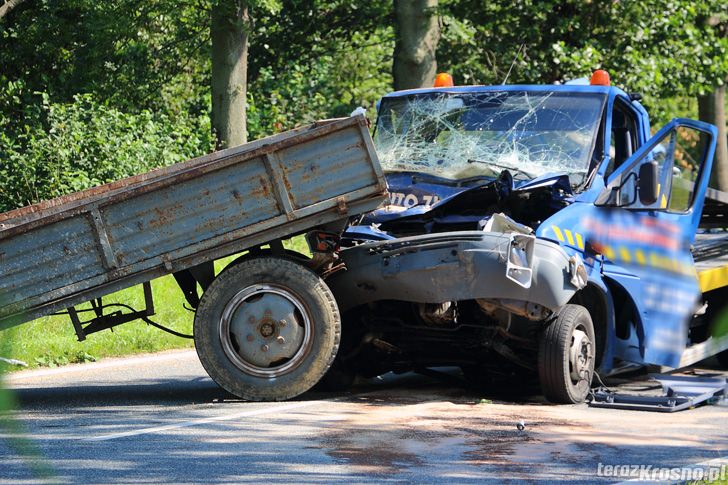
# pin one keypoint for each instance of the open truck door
(648, 215)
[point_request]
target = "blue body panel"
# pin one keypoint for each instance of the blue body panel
(567, 88)
(641, 254)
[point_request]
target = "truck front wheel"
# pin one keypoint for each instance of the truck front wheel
(267, 329)
(723, 359)
(566, 356)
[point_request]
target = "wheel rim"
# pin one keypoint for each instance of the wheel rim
(580, 357)
(266, 330)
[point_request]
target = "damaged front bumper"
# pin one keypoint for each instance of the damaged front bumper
(438, 268)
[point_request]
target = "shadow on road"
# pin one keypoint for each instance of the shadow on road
(389, 389)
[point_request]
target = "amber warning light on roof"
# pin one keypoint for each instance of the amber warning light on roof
(443, 80)
(600, 78)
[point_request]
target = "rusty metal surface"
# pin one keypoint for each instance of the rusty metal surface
(333, 172)
(83, 245)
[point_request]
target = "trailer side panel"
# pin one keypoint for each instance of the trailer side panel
(64, 252)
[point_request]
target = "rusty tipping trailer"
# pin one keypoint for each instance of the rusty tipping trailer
(267, 327)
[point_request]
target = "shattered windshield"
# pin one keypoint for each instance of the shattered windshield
(466, 134)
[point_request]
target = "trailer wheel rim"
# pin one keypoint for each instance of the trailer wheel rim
(580, 356)
(266, 330)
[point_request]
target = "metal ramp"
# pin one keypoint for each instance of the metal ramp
(679, 393)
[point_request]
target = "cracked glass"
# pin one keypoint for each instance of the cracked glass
(468, 134)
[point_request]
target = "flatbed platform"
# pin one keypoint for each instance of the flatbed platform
(710, 249)
(710, 252)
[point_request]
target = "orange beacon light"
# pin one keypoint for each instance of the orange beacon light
(443, 80)
(600, 78)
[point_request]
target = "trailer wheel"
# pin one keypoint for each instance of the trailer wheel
(267, 329)
(566, 356)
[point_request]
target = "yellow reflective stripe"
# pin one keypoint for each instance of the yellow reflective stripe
(654, 260)
(663, 202)
(557, 231)
(579, 241)
(624, 255)
(608, 252)
(569, 236)
(711, 279)
(640, 257)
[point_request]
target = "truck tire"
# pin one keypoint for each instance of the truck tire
(566, 356)
(267, 329)
(723, 359)
(338, 378)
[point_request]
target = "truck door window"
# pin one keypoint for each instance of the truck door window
(623, 140)
(687, 147)
(679, 154)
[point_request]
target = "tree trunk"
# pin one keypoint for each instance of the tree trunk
(711, 109)
(418, 31)
(229, 71)
(6, 7)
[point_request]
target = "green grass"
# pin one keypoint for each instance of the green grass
(51, 341)
(723, 481)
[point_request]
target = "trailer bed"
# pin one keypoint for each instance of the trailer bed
(75, 248)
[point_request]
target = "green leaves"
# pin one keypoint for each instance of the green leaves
(270, 6)
(50, 149)
(91, 91)
(332, 85)
(127, 53)
(661, 48)
(50, 359)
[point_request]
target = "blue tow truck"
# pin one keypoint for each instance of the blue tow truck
(534, 231)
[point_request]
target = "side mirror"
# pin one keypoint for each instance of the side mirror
(648, 183)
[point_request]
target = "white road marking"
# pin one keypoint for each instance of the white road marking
(89, 367)
(195, 422)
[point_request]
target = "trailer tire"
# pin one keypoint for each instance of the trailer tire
(267, 329)
(566, 356)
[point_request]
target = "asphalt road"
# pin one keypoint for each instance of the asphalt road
(160, 419)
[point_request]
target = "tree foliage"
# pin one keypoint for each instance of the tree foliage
(661, 48)
(129, 54)
(91, 91)
(50, 149)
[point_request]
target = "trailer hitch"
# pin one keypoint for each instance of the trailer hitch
(105, 321)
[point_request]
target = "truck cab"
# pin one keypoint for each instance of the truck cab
(531, 230)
